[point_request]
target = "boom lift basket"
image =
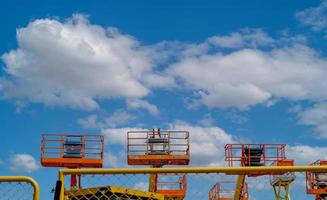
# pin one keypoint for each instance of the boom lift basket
(158, 147)
(72, 151)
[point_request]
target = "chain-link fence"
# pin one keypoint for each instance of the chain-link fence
(166, 183)
(18, 188)
(137, 186)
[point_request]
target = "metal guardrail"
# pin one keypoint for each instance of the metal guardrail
(23, 179)
(188, 171)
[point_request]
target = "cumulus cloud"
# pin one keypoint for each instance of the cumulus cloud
(74, 63)
(315, 17)
(247, 77)
(304, 154)
(23, 163)
(316, 117)
(115, 159)
(207, 143)
(251, 38)
(207, 120)
(142, 104)
(118, 118)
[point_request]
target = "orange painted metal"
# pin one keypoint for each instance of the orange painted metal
(263, 154)
(55, 150)
(224, 190)
(170, 187)
(316, 182)
(158, 148)
(245, 192)
(284, 163)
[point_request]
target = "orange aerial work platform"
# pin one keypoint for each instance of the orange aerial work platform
(171, 185)
(72, 151)
(254, 154)
(158, 148)
(225, 190)
(316, 182)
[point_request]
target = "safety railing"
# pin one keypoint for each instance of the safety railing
(70, 150)
(133, 183)
(18, 188)
(166, 147)
(222, 190)
(171, 184)
(285, 178)
(316, 182)
(254, 154)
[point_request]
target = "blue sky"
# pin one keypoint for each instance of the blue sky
(231, 71)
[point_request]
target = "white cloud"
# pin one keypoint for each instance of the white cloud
(207, 143)
(248, 77)
(141, 186)
(207, 120)
(315, 116)
(237, 117)
(115, 159)
(23, 163)
(118, 136)
(118, 118)
(315, 17)
(74, 63)
(90, 122)
(142, 104)
(245, 38)
(304, 154)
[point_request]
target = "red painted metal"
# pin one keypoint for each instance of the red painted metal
(171, 185)
(243, 154)
(225, 190)
(316, 182)
(158, 148)
(72, 151)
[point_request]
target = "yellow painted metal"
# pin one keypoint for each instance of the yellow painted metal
(35, 185)
(281, 185)
(196, 170)
(152, 182)
(114, 190)
(281, 191)
(61, 177)
(239, 187)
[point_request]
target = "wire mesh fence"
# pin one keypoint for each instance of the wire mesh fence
(169, 186)
(137, 186)
(18, 188)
